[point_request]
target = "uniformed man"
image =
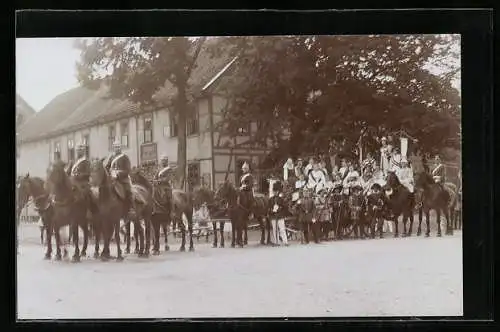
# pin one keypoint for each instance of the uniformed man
(246, 181)
(119, 166)
(438, 173)
(165, 171)
(80, 176)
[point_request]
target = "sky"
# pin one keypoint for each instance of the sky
(45, 68)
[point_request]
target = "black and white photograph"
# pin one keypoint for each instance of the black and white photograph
(239, 176)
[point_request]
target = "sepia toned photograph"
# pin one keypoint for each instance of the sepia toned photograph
(254, 176)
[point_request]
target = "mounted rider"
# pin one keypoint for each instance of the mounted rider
(80, 176)
(439, 172)
(405, 175)
(118, 165)
(246, 182)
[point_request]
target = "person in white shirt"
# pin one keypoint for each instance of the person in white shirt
(352, 178)
(309, 166)
(344, 169)
(395, 163)
(288, 169)
(367, 181)
(405, 175)
(301, 182)
(316, 179)
(385, 153)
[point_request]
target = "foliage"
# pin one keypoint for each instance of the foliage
(139, 69)
(328, 91)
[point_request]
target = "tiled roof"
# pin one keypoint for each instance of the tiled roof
(23, 107)
(54, 112)
(82, 107)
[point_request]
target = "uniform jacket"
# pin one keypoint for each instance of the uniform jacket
(277, 207)
(81, 169)
(163, 175)
(121, 165)
(439, 171)
(246, 182)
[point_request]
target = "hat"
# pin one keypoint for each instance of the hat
(164, 158)
(376, 186)
(245, 165)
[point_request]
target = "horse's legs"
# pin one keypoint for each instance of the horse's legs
(127, 235)
(107, 231)
(268, 228)
(428, 222)
(58, 243)
(156, 225)
(214, 228)
(438, 220)
(189, 216)
(449, 226)
(48, 230)
(234, 224)
(97, 234)
(245, 229)
(396, 224)
(410, 229)
(74, 232)
(139, 237)
(85, 240)
(180, 223)
(221, 230)
(419, 230)
(262, 224)
(119, 256)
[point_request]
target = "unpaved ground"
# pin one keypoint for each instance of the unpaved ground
(404, 276)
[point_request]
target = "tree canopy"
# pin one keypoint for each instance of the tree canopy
(310, 94)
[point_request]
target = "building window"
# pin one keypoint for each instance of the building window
(111, 136)
(193, 123)
(148, 129)
(173, 125)
(193, 175)
(124, 133)
(86, 141)
(57, 150)
(71, 149)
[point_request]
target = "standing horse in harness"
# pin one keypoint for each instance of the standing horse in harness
(33, 187)
(400, 202)
(434, 196)
(69, 207)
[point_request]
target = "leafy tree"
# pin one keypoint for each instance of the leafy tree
(139, 69)
(328, 91)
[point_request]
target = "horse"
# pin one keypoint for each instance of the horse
(142, 194)
(68, 207)
(203, 195)
(433, 196)
(33, 187)
(400, 202)
(239, 207)
(375, 205)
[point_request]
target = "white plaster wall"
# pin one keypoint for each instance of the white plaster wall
(33, 158)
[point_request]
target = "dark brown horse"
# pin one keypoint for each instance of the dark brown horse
(169, 205)
(33, 187)
(433, 196)
(142, 193)
(203, 195)
(400, 202)
(238, 207)
(68, 207)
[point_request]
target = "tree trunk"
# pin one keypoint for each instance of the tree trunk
(182, 110)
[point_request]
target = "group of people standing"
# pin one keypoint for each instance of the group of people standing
(315, 176)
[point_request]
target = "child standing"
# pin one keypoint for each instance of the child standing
(277, 212)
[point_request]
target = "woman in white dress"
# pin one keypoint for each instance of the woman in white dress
(405, 175)
(316, 180)
(385, 153)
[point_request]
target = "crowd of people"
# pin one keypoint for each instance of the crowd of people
(316, 176)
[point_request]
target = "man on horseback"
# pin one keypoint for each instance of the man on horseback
(405, 175)
(438, 173)
(119, 166)
(80, 176)
(246, 182)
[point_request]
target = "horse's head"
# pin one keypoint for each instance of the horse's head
(57, 173)
(203, 195)
(23, 191)
(98, 173)
(392, 180)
